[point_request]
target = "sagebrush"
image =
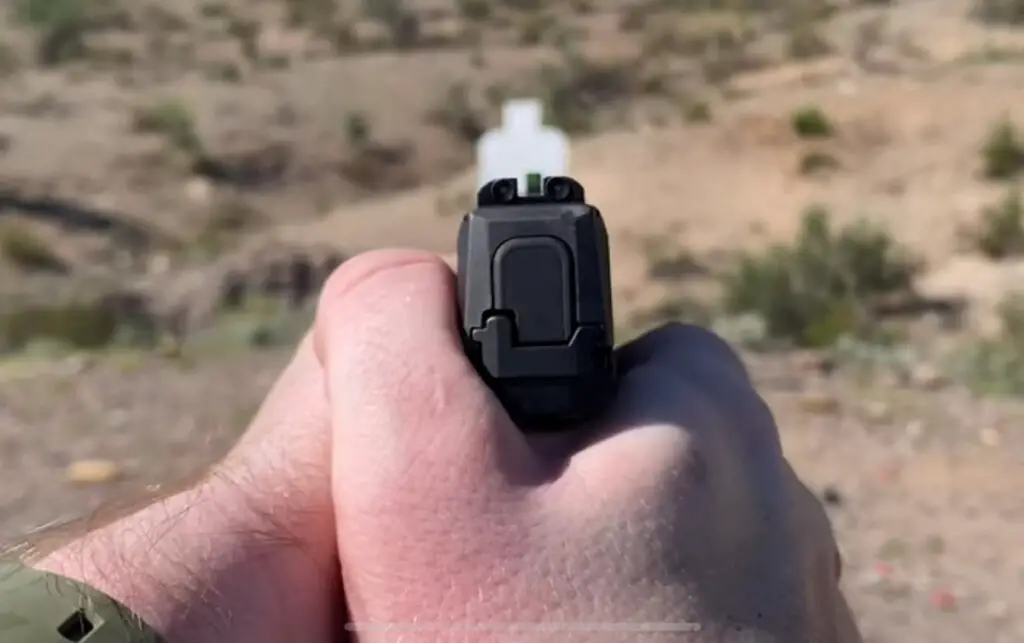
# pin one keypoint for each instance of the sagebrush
(827, 284)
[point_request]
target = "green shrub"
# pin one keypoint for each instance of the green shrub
(1002, 155)
(817, 161)
(578, 90)
(807, 42)
(214, 10)
(21, 248)
(229, 216)
(172, 120)
(1006, 12)
(262, 323)
(475, 10)
(996, 365)
(674, 266)
(310, 13)
(357, 129)
(811, 122)
(698, 112)
(457, 112)
(77, 324)
(10, 60)
(46, 13)
(825, 285)
(402, 22)
(63, 43)
(1001, 232)
(247, 33)
(61, 27)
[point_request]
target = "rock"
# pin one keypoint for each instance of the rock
(877, 411)
(741, 330)
(990, 437)
(273, 41)
(890, 379)
(927, 377)
(118, 418)
(847, 87)
(921, 582)
(92, 472)
(819, 403)
(915, 430)
(997, 610)
(77, 363)
(159, 264)
(199, 190)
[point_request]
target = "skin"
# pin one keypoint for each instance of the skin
(379, 454)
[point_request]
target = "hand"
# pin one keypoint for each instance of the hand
(677, 508)
(248, 553)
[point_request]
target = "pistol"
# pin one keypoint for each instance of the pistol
(535, 302)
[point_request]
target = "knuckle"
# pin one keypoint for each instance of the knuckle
(364, 267)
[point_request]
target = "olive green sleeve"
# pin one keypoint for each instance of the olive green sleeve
(39, 607)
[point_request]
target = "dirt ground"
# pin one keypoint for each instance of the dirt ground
(150, 146)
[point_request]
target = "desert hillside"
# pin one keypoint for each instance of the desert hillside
(833, 186)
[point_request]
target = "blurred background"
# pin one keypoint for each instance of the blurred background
(832, 186)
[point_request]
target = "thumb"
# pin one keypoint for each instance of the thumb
(406, 404)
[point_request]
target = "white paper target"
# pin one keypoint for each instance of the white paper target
(521, 147)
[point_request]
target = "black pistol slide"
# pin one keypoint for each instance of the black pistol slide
(534, 290)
